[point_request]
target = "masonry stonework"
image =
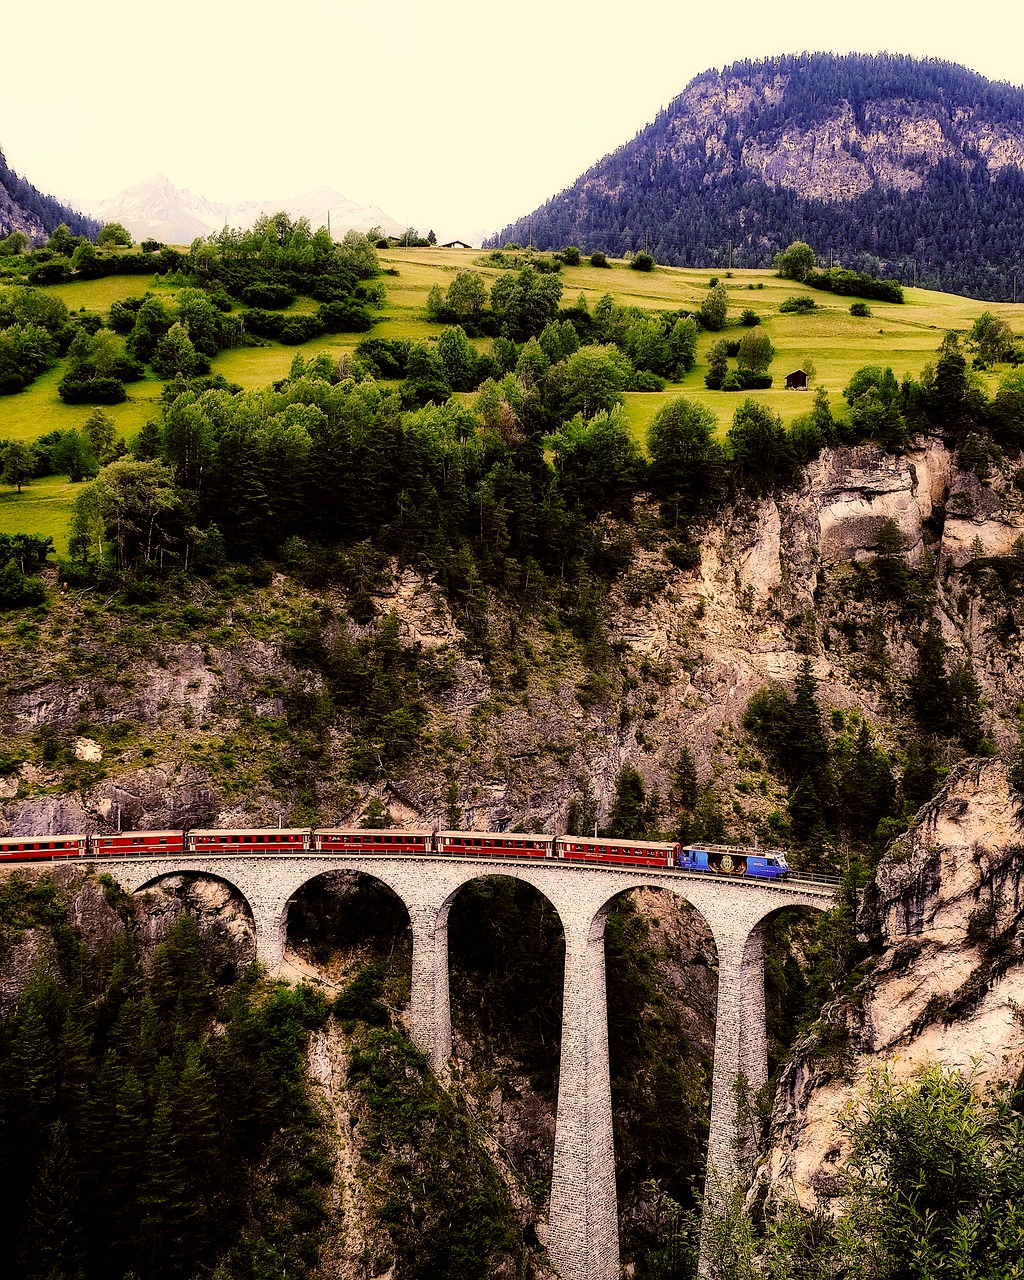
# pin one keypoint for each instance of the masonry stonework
(583, 1229)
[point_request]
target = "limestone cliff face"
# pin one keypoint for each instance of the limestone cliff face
(174, 729)
(947, 986)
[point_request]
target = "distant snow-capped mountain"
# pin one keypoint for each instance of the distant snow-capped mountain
(159, 210)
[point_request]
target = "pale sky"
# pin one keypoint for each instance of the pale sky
(459, 115)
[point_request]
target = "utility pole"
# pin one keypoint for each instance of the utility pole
(730, 255)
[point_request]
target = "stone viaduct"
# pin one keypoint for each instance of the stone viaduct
(583, 1225)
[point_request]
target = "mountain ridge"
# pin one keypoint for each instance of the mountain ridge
(905, 167)
(157, 208)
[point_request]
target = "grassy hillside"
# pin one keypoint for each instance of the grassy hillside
(903, 336)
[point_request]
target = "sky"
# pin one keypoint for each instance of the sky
(458, 115)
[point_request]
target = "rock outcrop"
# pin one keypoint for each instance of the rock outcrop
(947, 985)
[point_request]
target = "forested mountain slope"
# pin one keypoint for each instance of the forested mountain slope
(24, 208)
(911, 168)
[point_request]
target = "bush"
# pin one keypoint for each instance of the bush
(76, 390)
(859, 309)
(642, 262)
(800, 305)
(17, 590)
(571, 256)
(598, 259)
(749, 316)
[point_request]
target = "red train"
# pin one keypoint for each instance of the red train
(769, 864)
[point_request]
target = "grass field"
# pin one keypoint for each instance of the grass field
(42, 507)
(904, 336)
(39, 409)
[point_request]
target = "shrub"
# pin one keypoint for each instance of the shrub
(800, 305)
(642, 262)
(749, 316)
(76, 390)
(571, 256)
(859, 309)
(598, 259)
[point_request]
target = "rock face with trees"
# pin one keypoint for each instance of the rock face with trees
(868, 154)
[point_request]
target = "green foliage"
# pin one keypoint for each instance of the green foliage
(132, 1139)
(795, 262)
(633, 814)
(445, 1219)
(714, 308)
(799, 304)
(761, 450)
(642, 262)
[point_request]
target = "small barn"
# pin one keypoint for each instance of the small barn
(456, 244)
(796, 381)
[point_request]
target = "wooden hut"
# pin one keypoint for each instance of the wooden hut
(796, 381)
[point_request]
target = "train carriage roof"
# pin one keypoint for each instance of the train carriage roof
(374, 831)
(498, 835)
(275, 832)
(603, 842)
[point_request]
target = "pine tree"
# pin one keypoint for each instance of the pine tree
(50, 1241)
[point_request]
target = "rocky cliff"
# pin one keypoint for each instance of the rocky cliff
(946, 983)
(199, 716)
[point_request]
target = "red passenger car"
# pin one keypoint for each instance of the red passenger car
(633, 853)
(347, 840)
(128, 843)
(22, 848)
(508, 844)
(253, 841)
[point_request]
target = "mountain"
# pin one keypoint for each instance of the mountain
(892, 164)
(23, 207)
(157, 208)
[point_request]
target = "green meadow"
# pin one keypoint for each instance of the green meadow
(903, 336)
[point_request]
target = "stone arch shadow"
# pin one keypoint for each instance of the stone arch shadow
(359, 894)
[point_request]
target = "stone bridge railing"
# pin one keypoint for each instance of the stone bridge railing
(583, 1225)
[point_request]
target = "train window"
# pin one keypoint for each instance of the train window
(163, 839)
(376, 839)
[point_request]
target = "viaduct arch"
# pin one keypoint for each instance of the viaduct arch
(583, 1226)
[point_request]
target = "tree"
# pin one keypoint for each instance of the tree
(376, 816)
(718, 366)
(134, 506)
(62, 241)
(113, 234)
(761, 451)
(357, 254)
(98, 429)
(686, 468)
(458, 358)
(525, 302)
(642, 262)
(467, 297)
(18, 463)
(597, 463)
(633, 815)
(795, 262)
(714, 308)
(175, 354)
(992, 338)
(588, 381)
(756, 353)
